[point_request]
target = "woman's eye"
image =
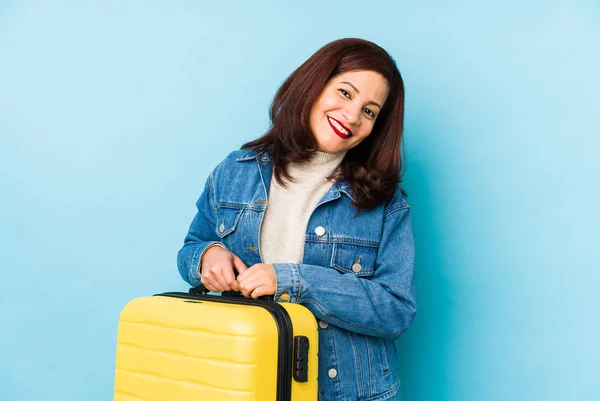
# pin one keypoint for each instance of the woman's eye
(370, 112)
(345, 93)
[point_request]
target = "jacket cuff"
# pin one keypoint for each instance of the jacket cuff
(288, 282)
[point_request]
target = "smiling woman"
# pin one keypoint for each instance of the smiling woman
(312, 213)
(346, 111)
(353, 84)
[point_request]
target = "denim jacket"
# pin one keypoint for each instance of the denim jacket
(356, 276)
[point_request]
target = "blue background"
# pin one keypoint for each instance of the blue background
(113, 113)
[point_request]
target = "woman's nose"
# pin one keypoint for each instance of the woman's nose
(352, 114)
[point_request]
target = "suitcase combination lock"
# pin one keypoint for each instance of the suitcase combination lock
(301, 359)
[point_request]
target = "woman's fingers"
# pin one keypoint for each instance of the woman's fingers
(260, 291)
(238, 264)
(247, 286)
(209, 284)
(217, 269)
(229, 278)
(259, 276)
(216, 276)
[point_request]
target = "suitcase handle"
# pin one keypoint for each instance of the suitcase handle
(202, 290)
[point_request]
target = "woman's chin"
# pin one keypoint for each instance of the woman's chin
(331, 147)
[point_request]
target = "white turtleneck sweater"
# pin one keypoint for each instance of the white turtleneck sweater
(289, 208)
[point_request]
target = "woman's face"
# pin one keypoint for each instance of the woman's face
(345, 112)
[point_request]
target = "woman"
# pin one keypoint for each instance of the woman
(312, 213)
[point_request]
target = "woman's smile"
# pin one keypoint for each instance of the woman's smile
(339, 128)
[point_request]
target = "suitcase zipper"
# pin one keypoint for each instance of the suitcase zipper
(284, 328)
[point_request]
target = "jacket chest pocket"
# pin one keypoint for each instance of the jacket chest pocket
(355, 259)
(227, 224)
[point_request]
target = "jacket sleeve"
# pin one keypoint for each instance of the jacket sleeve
(200, 236)
(382, 305)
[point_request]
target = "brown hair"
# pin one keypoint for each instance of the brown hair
(374, 167)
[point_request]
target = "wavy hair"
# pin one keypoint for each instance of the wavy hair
(374, 168)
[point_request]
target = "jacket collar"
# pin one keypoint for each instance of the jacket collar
(344, 187)
(252, 154)
(341, 186)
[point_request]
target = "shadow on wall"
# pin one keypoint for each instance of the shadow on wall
(423, 350)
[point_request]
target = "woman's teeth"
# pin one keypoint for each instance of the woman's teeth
(339, 127)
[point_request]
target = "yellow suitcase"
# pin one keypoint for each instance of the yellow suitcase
(182, 347)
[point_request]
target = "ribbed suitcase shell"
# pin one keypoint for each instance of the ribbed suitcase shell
(179, 349)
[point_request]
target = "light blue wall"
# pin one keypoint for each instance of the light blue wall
(112, 113)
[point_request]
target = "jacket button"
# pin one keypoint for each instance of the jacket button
(285, 297)
(222, 227)
(356, 268)
(332, 373)
(320, 231)
(323, 324)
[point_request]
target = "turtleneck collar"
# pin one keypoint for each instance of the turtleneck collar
(319, 163)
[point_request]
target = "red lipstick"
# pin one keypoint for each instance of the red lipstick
(338, 133)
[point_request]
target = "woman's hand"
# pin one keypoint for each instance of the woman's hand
(218, 266)
(257, 281)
